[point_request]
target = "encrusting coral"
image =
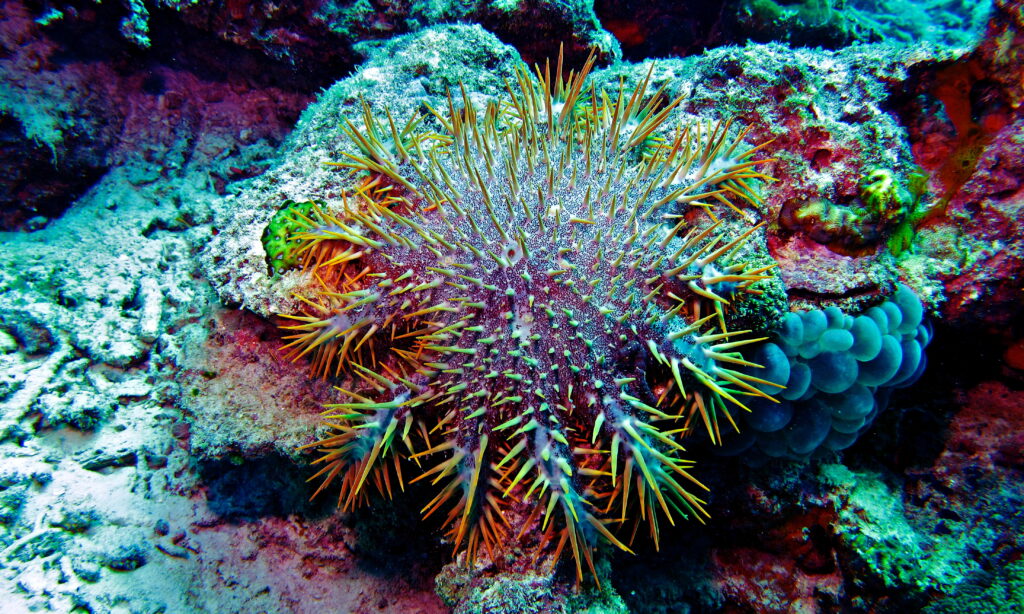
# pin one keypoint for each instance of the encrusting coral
(530, 301)
(883, 211)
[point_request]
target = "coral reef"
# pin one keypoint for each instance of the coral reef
(65, 121)
(830, 132)
(149, 436)
(648, 28)
(997, 592)
(964, 125)
(833, 23)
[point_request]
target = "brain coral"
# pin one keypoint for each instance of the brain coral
(529, 304)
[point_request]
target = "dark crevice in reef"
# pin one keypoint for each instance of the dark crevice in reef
(651, 28)
(537, 32)
(913, 432)
(270, 486)
(812, 296)
(31, 184)
(390, 537)
(650, 581)
(198, 52)
(92, 36)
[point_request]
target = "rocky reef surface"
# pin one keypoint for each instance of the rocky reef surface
(150, 423)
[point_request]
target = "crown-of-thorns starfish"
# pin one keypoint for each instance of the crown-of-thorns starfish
(527, 316)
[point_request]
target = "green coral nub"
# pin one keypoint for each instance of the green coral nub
(885, 210)
(881, 193)
(280, 239)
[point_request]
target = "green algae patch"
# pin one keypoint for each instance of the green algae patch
(874, 526)
(1000, 591)
(279, 239)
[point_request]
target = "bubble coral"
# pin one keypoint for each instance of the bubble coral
(838, 370)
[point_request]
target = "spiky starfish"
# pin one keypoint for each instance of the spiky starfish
(522, 296)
